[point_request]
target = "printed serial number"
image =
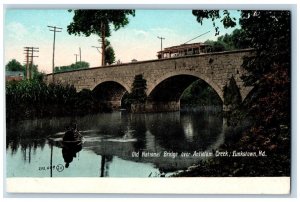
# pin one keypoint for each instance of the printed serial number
(58, 167)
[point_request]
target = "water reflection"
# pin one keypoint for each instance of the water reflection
(110, 140)
(69, 152)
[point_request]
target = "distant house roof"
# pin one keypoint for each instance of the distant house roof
(14, 73)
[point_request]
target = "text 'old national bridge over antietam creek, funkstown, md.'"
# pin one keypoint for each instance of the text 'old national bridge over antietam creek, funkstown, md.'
(166, 78)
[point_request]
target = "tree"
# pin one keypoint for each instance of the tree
(98, 22)
(109, 53)
(235, 40)
(138, 92)
(35, 74)
(77, 65)
(232, 94)
(269, 32)
(268, 69)
(82, 65)
(139, 88)
(14, 65)
(216, 46)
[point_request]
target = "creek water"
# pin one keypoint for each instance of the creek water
(117, 144)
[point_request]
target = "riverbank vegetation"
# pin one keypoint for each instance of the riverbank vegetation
(201, 96)
(28, 99)
(268, 104)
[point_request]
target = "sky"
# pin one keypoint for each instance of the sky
(137, 40)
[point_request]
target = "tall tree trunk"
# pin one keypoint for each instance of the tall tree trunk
(103, 43)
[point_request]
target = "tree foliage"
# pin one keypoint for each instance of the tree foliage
(216, 46)
(138, 92)
(109, 53)
(77, 65)
(89, 22)
(200, 93)
(139, 87)
(234, 41)
(269, 34)
(14, 65)
(214, 15)
(99, 22)
(232, 95)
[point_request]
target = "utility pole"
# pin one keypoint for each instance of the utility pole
(79, 54)
(97, 47)
(29, 60)
(76, 57)
(54, 29)
(26, 49)
(161, 38)
(103, 43)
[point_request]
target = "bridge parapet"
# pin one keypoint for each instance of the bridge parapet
(214, 68)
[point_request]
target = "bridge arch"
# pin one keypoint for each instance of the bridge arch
(110, 93)
(190, 76)
(111, 80)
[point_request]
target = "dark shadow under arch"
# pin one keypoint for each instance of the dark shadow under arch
(109, 93)
(171, 89)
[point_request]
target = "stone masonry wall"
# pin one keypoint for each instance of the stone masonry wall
(214, 68)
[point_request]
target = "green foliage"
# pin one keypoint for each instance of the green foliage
(232, 95)
(215, 15)
(34, 72)
(99, 22)
(14, 65)
(200, 93)
(138, 92)
(269, 34)
(216, 46)
(235, 40)
(76, 66)
(109, 53)
(34, 98)
(89, 22)
(139, 88)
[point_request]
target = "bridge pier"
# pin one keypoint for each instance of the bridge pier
(151, 106)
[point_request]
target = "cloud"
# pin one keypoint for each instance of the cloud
(16, 31)
(140, 33)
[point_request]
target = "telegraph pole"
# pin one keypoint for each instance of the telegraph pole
(76, 57)
(97, 47)
(26, 49)
(79, 54)
(161, 38)
(103, 43)
(29, 51)
(54, 29)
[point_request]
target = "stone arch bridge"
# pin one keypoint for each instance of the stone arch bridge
(166, 78)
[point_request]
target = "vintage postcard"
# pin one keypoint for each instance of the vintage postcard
(106, 100)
